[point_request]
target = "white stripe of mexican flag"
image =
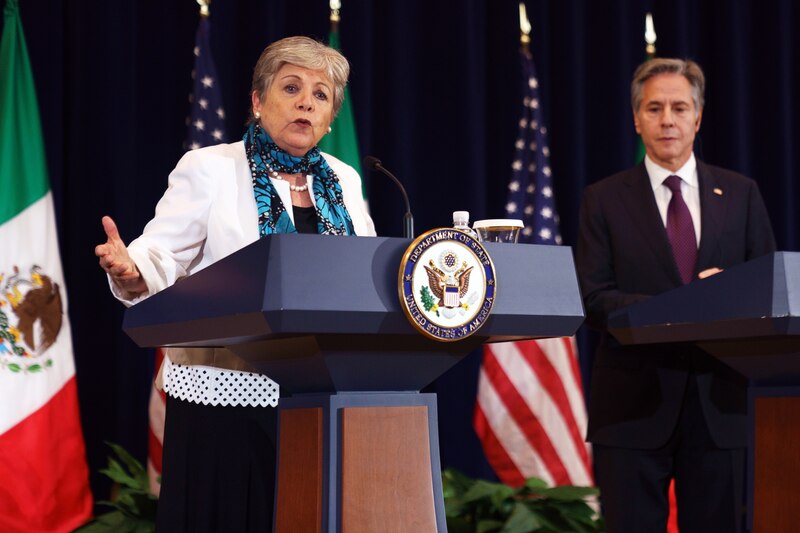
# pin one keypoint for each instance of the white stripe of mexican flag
(30, 271)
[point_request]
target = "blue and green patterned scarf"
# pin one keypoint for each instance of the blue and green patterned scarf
(332, 215)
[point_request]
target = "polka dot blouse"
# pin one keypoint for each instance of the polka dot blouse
(216, 386)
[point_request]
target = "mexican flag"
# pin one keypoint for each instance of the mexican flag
(44, 481)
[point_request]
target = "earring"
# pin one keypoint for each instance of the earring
(330, 129)
(257, 115)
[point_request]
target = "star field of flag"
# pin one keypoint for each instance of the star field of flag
(206, 122)
(530, 192)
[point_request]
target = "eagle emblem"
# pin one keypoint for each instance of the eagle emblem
(31, 315)
(448, 288)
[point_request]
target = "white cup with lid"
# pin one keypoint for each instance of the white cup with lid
(498, 229)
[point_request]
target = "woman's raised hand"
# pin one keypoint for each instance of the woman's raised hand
(115, 260)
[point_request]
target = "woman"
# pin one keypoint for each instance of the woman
(219, 457)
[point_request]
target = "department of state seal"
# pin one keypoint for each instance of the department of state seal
(446, 284)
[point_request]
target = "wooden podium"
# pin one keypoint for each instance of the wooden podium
(358, 445)
(748, 317)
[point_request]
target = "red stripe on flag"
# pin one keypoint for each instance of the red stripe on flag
(551, 382)
(672, 522)
(45, 481)
(526, 420)
(496, 454)
(157, 412)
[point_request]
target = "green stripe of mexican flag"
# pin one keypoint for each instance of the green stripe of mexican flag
(23, 176)
(45, 479)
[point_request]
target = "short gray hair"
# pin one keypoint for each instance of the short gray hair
(306, 53)
(685, 67)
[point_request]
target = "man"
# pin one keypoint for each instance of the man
(663, 411)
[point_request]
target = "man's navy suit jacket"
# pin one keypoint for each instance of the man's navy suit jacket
(623, 256)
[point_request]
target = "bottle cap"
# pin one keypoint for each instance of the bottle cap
(460, 217)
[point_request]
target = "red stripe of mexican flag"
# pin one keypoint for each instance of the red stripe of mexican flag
(45, 485)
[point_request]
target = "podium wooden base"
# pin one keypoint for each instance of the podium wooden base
(775, 494)
(359, 462)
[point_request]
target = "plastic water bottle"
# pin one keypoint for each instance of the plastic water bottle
(461, 222)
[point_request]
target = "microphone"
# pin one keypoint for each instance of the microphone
(373, 163)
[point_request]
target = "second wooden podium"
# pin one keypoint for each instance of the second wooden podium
(749, 318)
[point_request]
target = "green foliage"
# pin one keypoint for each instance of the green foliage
(478, 506)
(134, 505)
(427, 300)
(471, 506)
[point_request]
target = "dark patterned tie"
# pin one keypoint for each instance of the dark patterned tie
(680, 230)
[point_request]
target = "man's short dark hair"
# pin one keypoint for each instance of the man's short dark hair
(685, 67)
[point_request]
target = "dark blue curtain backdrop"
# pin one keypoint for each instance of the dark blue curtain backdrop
(435, 88)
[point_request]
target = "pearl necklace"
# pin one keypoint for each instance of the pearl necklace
(297, 188)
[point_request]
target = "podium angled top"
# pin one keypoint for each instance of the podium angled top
(757, 301)
(296, 285)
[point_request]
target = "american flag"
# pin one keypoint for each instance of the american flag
(530, 414)
(206, 122)
(205, 127)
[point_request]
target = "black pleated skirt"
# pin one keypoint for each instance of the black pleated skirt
(218, 469)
